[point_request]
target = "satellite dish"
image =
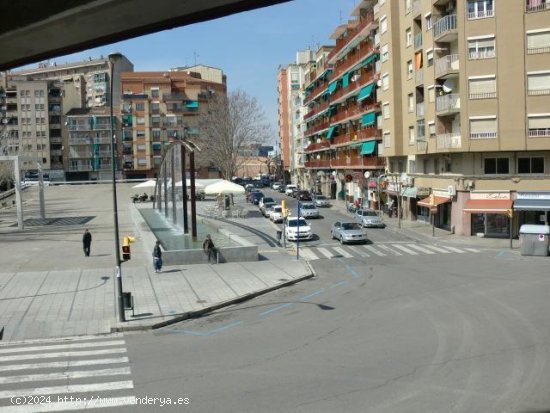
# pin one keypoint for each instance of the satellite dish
(367, 174)
(448, 86)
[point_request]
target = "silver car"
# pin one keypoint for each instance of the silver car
(321, 201)
(309, 210)
(368, 218)
(347, 232)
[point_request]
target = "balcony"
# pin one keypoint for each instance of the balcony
(490, 134)
(351, 34)
(447, 104)
(358, 57)
(417, 41)
(318, 163)
(481, 14)
(319, 127)
(354, 137)
(317, 109)
(419, 77)
(316, 91)
(317, 146)
(421, 146)
(533, 6)
(451, 140)
(538, 92)
(446, 65)
(538, 50)
(539, 132)
(358, 162)
(80, 141)
(444, 30)
(345, 114)
(80, 154)
(420, 110)
(342, 92)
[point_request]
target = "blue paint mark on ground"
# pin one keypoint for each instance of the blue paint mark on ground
(337, 284)
(206, 333)
(272, 310)
(312, 294)
(354, 273)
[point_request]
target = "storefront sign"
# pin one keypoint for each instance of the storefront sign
(441, 193)
(422, 191)
(489, 195)
(533, 195)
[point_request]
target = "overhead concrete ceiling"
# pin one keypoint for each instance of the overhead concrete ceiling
(32, 31)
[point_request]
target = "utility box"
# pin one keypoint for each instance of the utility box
(534, 240)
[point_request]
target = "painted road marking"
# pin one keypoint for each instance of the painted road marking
(385, 247)
(408, 251)
(418, 248)
(342, 252)
(374, 250)
(64, 364)
(325, 252)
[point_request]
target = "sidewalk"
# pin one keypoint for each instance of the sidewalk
(48, 288)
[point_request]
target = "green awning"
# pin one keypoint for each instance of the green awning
(345, 80)
(409, 192)
(368, 119)
(368, 148)
(192, 104)
(365, 92)
(330, 132)
(332, 87)
(369, 59)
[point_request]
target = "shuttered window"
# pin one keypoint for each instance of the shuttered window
(431, 128)
(538, 42)
(539, 125)
(481, 48)
(538, 83)
(482, 87)
(483, 128)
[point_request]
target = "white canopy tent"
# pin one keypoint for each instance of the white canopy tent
(224, 187)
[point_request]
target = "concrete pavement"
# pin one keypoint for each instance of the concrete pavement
(48, 288)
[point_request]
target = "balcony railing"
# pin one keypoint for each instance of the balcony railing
(483, 95)
(358, 162)
(351, 33)
(317, 146)
(420, 109)
(483, 135)
(482, 54)
(80, 154)
(421, 146)
(365, 79)
(537, 92)
(449, 141)
(359, 56)
(481, 14)
(446, 64)
(532, 6)
(445, 25)
(539, 132)
(317, 109)
(319, 127)
(447, 103)
(419, 76)
(318, 163)
(538, 50)
(354, 137)
(418, 41)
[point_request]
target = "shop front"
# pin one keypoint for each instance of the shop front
(532, 207)
(489, 213)
(440, 203)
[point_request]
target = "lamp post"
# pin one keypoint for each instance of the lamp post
(113, 57)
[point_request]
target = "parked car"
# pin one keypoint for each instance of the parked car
(255, 197)
(303, 196)
(276, 213)
(368, 218)
(347, 232)
(264, 200)
(309, 210)
(265, 207)
(289, 188)
(276, 186)
(321, 201)
(297, 228)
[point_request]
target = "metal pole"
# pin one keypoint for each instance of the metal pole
(165, 185)
(173, 172)
(41, 191)
(193, 201)
(18, 190)
(298, 234)
(433, 223)
(118, 269)
(399, 206)
(184, 183)
(511, 222)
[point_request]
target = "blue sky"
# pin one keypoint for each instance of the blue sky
(249, 47)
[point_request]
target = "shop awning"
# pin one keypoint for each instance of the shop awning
(330, 131)
(345, 80)
(409, 192)
(332, 87)
(367, 148)
(192, 104)
(488, 206)
(532, 205)
(365, 92)
(438, 200)
(368, 119)
(369, 59)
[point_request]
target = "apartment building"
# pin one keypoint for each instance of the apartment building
(343, 152)
(157, 107)
(465, 96)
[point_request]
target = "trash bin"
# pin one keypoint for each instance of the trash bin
(534, 239)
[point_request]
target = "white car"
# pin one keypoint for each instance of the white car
(297, 228)
(289, 189)
(276, 186)
(321, 201)
(276, 213)
(309, 210)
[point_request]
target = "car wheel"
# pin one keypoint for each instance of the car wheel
(341, 240)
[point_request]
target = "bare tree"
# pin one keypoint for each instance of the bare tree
(229, 128)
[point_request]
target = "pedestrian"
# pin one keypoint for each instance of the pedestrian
(157, 257)
(209, 249)
(87, 242)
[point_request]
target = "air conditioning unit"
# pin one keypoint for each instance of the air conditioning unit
(451, 189)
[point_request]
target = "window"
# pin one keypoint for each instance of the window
(155, 106)
(155, 92)
(385, 81)
(142, 162)
(436, 166)
(140, 121)
(408, 37)
(385, 52)
(410, 102)
(408, 6)
(140, 134)
(538, 83)
(410, 69)
(480, 9)
(431, 93)
(420, 129)
(430, 57)
(431, 128)
(386, 110)
(481, 48)
(387, 139)
(539, 125)
(140, 106)
(483, 127)
(155, 133)
(482, 87)
(411, 135)
(429, 21)
(537, 5)
(534, 165)
(492, 166)
(140, 147)
(383, 24)
(36, 93)
(538, 41)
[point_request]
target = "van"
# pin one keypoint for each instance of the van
(290, 188)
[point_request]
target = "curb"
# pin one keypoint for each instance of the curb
(198, 313)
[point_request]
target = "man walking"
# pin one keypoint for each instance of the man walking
(209, 249)
(87, 242)
(157, 257)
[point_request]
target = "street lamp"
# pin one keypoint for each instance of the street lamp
(113, 58)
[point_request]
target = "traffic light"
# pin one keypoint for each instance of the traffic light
(126, 248)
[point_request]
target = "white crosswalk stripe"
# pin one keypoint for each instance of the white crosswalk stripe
(89, 369)
(387, 250)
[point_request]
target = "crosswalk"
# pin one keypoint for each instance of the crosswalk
(50, 375)
(379, 250)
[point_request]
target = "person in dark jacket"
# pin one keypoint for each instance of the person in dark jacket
(87, 242)
(209, 249)
(157, 257)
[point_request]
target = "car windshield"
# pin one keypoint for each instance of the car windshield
(277, 209)
(266, 200)
(350, 225)
(320, 197)
(258, 195)
(294, 223)
(367, 213)
(308, 206)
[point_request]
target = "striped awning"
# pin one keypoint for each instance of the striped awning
(488, 206)
(368, 148)
(365, 92)
(368, 119)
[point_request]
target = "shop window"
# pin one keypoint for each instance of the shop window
(533, 165)
(494, 166)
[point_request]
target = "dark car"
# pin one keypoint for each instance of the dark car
(255, 197)
(303, 196)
